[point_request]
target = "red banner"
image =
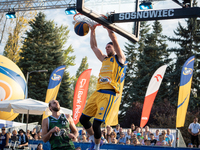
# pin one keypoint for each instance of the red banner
(151, 93)
(80, 94)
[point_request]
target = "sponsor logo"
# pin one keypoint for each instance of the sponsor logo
(5, 91)
(146, 14)
(56, 77)
(144, 118)
(102, 108)
(157, 77)
(77, 111)
(82, 83)
(187, 71)
(104, 80)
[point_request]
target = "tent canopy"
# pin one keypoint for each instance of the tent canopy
(34, 107)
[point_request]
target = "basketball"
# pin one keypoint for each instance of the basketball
(81, 28)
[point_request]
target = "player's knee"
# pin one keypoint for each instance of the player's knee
(97, 128)
(84, 120)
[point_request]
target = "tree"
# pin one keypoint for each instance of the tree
(43, 49)
(189, 41)
(20, 25)
(151, 54)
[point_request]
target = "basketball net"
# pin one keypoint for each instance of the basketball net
(81, 18)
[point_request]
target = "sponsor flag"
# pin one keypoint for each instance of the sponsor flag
(12, 85)
(54, 85)
(151, 93)
(184, 91)
(80, 94)
(112, 118)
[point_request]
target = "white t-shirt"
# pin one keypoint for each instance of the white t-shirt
(170, 136)
(194, 127)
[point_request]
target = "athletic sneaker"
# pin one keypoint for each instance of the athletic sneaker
(92, 146)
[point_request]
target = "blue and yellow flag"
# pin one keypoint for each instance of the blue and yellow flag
(54, 85)
(184, 91)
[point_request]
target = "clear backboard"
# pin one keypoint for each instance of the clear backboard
(94, 8)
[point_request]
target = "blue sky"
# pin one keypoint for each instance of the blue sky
(81, 45)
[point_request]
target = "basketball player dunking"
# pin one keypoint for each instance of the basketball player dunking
(101, 101)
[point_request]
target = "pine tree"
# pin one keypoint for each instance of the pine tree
(43, 49)
(189, 41)
(132, 51)
(152, 53)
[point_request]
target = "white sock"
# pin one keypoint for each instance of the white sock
(91, 138)
(97, 146)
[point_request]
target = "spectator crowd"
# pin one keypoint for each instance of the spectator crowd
(19, 138)
(129, 136)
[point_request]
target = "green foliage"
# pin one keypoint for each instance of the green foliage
(43, 49)
(189, 41)
(144, 59)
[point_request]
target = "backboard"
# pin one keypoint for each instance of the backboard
(94, 8)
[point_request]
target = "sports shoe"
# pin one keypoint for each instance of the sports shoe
(92, 146)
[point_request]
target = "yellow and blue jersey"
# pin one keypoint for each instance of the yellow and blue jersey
(111, 74)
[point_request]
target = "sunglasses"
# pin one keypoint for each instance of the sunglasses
(2, 129)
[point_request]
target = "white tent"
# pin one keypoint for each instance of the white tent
(29, 106)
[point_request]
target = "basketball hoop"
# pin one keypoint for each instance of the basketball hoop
(81, 18)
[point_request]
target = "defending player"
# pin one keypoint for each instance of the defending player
(56, 128)
(109, 83)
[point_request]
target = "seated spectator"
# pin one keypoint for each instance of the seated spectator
(138, 130)
(80, 137)
(142, 140)
(23, 139)
(33, 132)
(40, 146)
(139, 137)
(170, 135)
(14, 136)
(128, 142)
(39, 134)
(153, 140)
(118, 134)
(146, 131)
(190, 145)
(132, 137)
(136, 142)
(116, 130)
(114, 141)
(112, 135)
(109, 130)
(161, 141)
(167, 139)
(132, 127)
(121, 139)
(36, 137)
(29, 136)
(84, 138)
(128, 134)
(4, 138)
(157, 135)
(147, 142)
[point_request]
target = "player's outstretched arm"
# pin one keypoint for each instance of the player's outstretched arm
(120, 54)
(45, 134)
(93, 44)
(72, 126)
